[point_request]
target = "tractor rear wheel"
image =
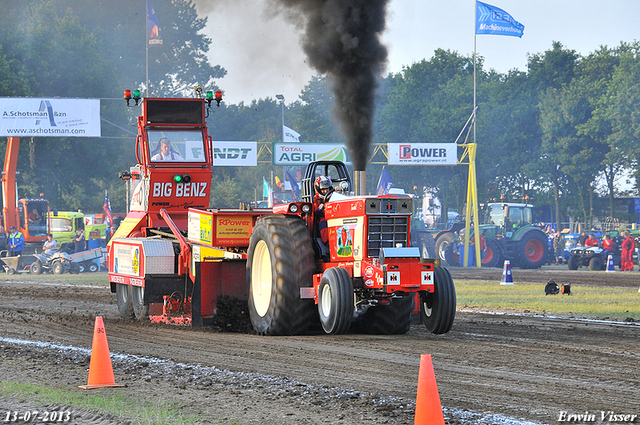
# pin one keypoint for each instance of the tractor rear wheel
(443, 243)
(140, 310)
(280, 262)
(532, 250)
(123, 297)
(36, 267)
(426, 243)
(438, 308)
(492, 254)
(392, 319)
(335, 301)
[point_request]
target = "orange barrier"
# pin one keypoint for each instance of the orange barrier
(100, 368)
(428, 407)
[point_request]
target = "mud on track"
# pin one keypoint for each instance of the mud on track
(518, 366)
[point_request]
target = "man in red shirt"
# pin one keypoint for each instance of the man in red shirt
(591, 241)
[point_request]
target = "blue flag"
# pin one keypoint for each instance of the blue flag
(385, 183)
(294, 185)
(107, 210)
(265, 188)
(153, 25)
(493, 20)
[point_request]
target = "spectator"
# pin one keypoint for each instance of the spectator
(16, 242)
(591, 241)
(80, 241)
(49, 246)
(3, 239)
(607, 245)
(558, 247)
(628, 246)
(582, 238)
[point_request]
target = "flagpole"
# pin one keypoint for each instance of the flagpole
(146, 43)
(475, 38)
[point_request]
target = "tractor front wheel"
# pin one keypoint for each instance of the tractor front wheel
(335, 301)
(492, 254)
(438, 308)
(280, 262)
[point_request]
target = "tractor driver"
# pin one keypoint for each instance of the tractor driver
(323, 188)
(165, 152)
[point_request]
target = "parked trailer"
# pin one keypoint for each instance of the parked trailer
(171, 263)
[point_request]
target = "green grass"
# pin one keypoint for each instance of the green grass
(94, 279)
(615, 303)
(106, 401)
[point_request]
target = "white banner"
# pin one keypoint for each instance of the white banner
(235, 154)
(303, 153)
(37, 117)
(423, 153)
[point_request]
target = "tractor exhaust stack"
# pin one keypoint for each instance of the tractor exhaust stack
(360, 183)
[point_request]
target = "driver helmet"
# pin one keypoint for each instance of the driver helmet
(323, 186)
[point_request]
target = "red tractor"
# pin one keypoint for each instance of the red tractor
(365, 277)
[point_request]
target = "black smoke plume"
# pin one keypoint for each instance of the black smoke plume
(342, 40)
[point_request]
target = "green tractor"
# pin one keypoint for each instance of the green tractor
(508, 233)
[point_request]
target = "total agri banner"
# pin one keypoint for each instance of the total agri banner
(38, 117)
(423, 153)
(290, 154)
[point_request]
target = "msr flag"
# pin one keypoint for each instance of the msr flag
(493, 20)
(153, 26)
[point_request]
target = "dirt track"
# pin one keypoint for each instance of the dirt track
(518, 366)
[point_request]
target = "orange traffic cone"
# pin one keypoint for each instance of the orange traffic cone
(100, 368)
(428, 407)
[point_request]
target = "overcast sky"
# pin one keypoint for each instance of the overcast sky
(263, 57)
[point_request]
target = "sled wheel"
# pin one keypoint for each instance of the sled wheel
(335, 301)
(36, 267)
(140, 310)
(57, 268)
(11, 270)
(81, 268)
(123, 297)
(280, 262)
(74, 268)
(93, 267)
(438, 308)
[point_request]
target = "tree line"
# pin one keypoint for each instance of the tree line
(560, 133)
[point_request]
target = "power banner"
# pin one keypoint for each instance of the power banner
(289, 154)
(423, 153)
(235, 154)
(33, 117)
